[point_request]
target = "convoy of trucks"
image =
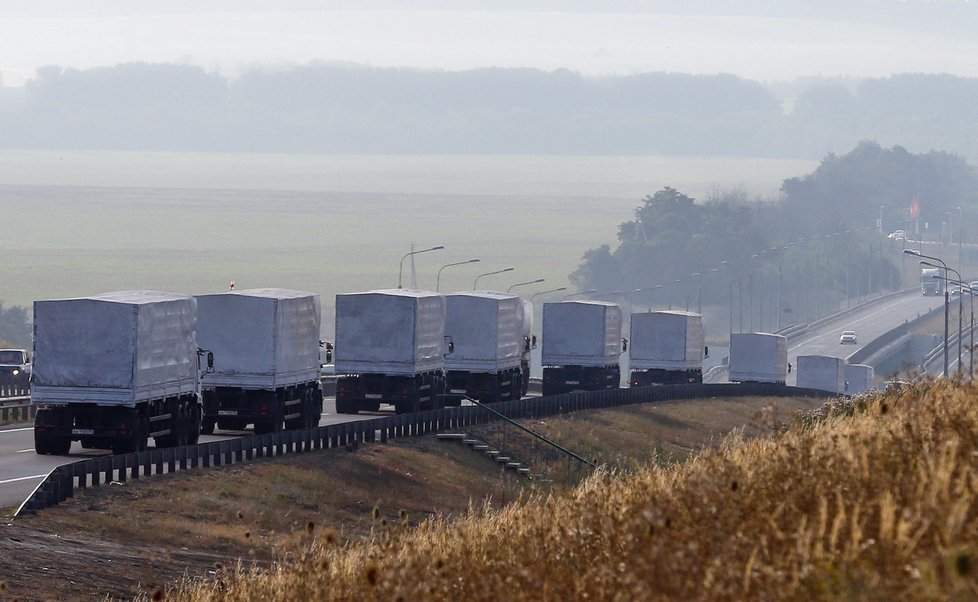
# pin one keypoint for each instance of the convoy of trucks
(390, 348)
(582, 344)
(758, 357)
(487, 330)
(113, 370)
(666, 347)
(266, 367)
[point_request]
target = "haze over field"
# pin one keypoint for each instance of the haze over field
(759, 39)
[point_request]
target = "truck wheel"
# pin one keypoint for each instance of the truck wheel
(207, 425)
(195, 424)
(51, 445)
(344, 406)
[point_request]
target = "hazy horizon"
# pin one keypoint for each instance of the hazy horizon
(758, 40)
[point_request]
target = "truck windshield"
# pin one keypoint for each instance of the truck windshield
(11, 357)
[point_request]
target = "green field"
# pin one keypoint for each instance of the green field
(86, 223)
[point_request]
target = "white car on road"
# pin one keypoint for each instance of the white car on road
(848, 337)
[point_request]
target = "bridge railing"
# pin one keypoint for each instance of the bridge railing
(62, 482)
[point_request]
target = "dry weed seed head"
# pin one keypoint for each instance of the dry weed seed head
(310, 527)
(376, 512)
(157, 594)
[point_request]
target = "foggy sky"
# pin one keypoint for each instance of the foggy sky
(760, 39)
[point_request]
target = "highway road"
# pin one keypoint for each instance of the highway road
(21, 469)
(869, 322)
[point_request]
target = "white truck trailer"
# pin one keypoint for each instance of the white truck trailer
(860, 378)
(390, 348)
(758, 357)
(582, 346)
(113, 370)
(266, 369)
(666, 347)
(821, 372)
(487, 329)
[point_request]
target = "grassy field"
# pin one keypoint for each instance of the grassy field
(86, 223)
(266, 510)
(876, 501)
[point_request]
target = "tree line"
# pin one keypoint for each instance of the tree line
(330, 108)
(821, 238)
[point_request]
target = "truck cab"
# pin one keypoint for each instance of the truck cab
(15, 367)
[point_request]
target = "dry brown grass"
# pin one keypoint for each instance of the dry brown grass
(875, 502)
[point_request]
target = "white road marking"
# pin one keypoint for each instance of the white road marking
(37, 476)
(24, 451)
(20, 430)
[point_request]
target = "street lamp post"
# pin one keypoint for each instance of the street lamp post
(400, 270)
(553, 290)
(537, 281)
(960, 301)
(971, 297)
(947, 298)
(475, 283)
(448, 265)
(577, 294)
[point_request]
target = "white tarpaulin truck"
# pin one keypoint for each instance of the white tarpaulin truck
(487, 330)
(821, 372)
(758, 357)
(582, 345)
(390, 348)
(666, 347)
(114, 369)
(266, 367)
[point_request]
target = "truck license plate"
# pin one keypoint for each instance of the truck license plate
(373, 395)
(572, 382)
(82, 431)
(227, 412)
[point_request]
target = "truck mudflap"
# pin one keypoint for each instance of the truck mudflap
(117, 428)
(654, 376)
(564, 379)
(407, 393)
(487, 387)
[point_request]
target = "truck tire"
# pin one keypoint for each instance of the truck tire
(207, 425)
(136, 441)
(193, 435)
(344, 406)
(51, 445)
(271, 424)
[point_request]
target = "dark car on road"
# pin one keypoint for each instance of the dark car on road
(15, 367)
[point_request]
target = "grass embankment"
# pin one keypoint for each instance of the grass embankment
(876, 503)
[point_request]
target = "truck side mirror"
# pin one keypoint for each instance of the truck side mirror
(624, 344)
(533, 342)
(706, 351)
(210, 360)
(526, 344)
(450, 345)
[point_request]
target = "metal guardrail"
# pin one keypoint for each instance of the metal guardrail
(62, 482)
(18, 412)
(8, 390)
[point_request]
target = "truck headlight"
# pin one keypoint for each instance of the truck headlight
(16, 371)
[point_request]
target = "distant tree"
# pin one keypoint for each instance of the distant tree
(15, 328)
(848, 190)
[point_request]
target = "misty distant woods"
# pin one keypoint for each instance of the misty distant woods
(354, 109)
(820, 243)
